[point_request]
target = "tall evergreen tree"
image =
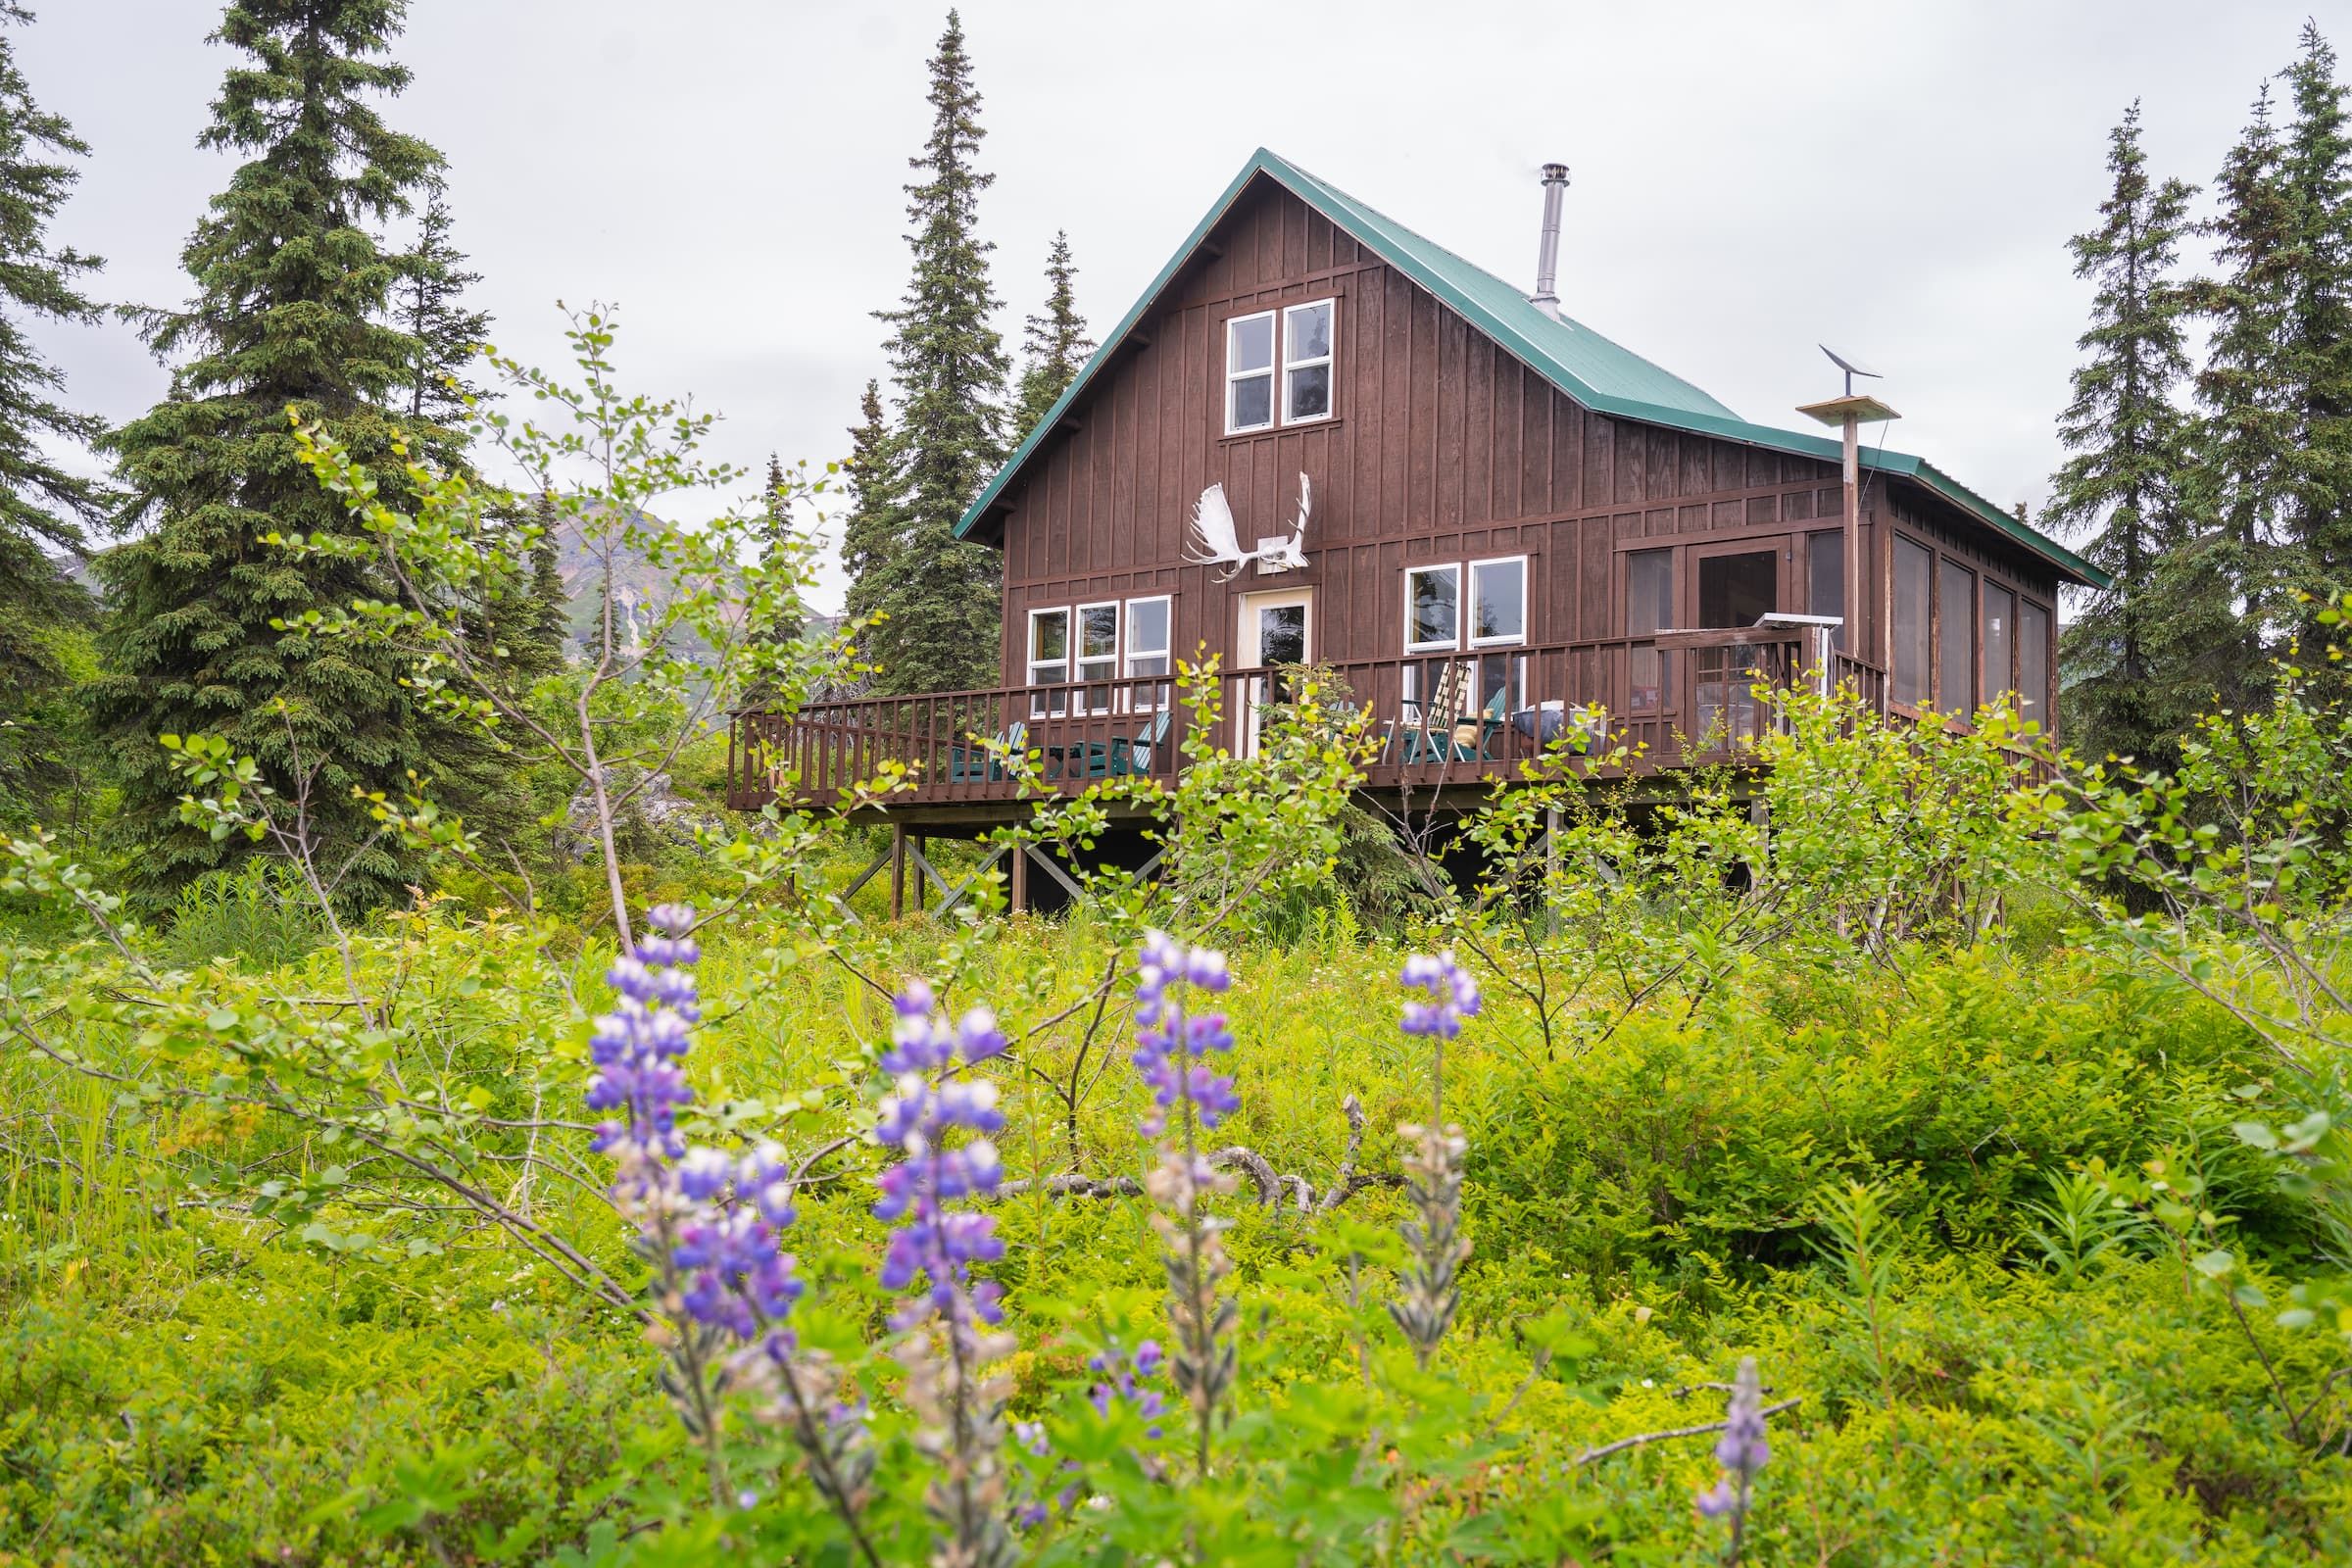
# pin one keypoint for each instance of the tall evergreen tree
(44, 510)
(1057, 343)
(292, 306)
(2315, 347)
(875, 529)
(792, 619)
(532, 620)
(2128, 439)
(943, 598)
(446, 335)
(2244, 425)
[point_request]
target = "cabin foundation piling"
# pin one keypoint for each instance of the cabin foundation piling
(897, 871)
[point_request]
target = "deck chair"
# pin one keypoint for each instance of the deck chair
(978, 765)
(1133, 758)
(1430, 739)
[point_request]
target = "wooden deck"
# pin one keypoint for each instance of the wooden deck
(1674, 700)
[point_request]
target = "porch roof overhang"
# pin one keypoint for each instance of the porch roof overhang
(1595, 371)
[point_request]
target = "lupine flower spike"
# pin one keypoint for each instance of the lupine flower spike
(1172, 1051)
(949, 1326)
(1124, 1386)
(1433, 1162)
(1743, 1451)
(707, 1224)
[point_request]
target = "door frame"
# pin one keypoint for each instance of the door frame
(1783, 577)
(1254, 693)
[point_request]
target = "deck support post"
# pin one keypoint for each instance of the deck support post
(898, 870)
(920, 844)
(1020, 879)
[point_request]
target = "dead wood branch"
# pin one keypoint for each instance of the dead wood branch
(1699, 1431)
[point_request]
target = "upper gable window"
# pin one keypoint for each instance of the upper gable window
(1306, 363)
(1249, 372)
(1291, 348)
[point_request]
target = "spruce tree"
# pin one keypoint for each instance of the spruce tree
(292, 307)
(792, 618)
(1057, 343)
(943, 598)
(551, 600)
(2245, 424)
(2315, 346)
(780, 553)
(531, 619)
(2127, 441)
(875, 529)
(44, 511)
(431, 309)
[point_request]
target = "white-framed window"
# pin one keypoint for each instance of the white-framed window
(1148, 636)
(1249, 372)
(1433, 607)
(1049, 658)
(1498, 600)
(1306, 361)
(1097, 642)
(1098, 633)
(1292, 346)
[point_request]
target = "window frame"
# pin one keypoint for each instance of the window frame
(1650, 659)
(1453, 642)
(1095, 694)
(1896, 625)
(1946, 567)
(1078, 654)
(1814, 540)
(1284, 364)
(1466, 602)
(1031, 664)
(1129, 653)
(2044, 710)
(1990, 688)
(1272, 372)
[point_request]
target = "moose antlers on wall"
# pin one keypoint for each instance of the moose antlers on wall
(1214, 542)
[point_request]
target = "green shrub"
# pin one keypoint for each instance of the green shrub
(260, 914)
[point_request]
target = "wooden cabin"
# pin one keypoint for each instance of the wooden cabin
(1492, 522)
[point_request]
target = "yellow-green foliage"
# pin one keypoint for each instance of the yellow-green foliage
(188, 1381)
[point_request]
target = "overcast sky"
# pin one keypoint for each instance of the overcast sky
(1897, 180)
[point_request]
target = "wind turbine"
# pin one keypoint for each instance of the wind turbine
(1850, 413)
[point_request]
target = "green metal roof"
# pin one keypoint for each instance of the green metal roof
(1597, 373)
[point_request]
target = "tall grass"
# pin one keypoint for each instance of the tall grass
(260, 915)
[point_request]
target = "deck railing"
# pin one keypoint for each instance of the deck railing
(1673, 700)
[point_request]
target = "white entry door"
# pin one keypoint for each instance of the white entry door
(1276, 629)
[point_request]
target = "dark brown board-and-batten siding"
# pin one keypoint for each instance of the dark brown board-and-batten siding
(1441, 447)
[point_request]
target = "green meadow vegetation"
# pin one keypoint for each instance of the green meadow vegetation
(1981, 1109)
(434, 1132)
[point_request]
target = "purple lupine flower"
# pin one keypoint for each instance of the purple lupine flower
(708, 1225)
(1170, 1044)
(935, 1242)
(637, 1046)
(1453, 990)
(1126, 1376)
(1431, 1285)
(707, 1222)
(1742, 1450)
(939, 1126)
(1172, 1049)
